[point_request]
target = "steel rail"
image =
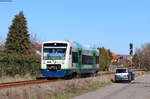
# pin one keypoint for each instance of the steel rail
(23, 83)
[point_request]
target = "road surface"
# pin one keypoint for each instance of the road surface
(137, 89)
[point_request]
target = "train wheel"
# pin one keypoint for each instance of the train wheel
(76, 75)
(94, 74)
(71, 76)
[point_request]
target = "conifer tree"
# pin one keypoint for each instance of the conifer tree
(19, 57)
(18, 40)
(104, 59)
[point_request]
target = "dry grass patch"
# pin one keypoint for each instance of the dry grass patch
(5, 79)
(51, 90)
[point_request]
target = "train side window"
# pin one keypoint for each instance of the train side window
(88, 60)
(74, 57)
(97, 59)
(84, 59)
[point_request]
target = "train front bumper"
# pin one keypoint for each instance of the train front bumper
(57, 73)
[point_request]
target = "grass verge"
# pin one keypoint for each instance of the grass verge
(77, 92)
(139, 73)
(147, 72)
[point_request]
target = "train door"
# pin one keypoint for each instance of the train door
(94, 60)
(70, 58)
(80, 58)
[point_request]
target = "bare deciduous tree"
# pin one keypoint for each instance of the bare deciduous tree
(1, 41)
(34, 38)
(142, 57)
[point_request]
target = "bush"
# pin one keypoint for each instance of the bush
(12, 64)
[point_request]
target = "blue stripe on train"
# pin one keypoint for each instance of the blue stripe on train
(58, 73)
(63, 73)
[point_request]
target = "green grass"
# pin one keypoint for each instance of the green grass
(74, 93)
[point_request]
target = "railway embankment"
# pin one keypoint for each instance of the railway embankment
(53, 90)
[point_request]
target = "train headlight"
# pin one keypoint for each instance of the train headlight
(63, 62)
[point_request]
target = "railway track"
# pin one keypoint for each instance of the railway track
(29, 82)
(104, 73)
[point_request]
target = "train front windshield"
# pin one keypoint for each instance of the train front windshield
(54, 52)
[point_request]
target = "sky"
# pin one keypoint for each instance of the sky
(112, 24)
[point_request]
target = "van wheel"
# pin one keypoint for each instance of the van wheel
(129, 81)
(116, 81)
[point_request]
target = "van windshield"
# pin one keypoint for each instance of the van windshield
(121, 71)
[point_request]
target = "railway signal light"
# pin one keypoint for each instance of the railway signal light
(131, 49)
(131, 46)
(131, 52)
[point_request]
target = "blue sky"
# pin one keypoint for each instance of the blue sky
(109, 23)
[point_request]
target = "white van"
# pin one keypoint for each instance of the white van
(124, 74)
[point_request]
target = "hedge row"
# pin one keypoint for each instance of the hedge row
(12, 64)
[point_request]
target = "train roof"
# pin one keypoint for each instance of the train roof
(74, 44)
(56, 41)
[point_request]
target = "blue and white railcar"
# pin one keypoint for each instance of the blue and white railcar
(64, 58)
